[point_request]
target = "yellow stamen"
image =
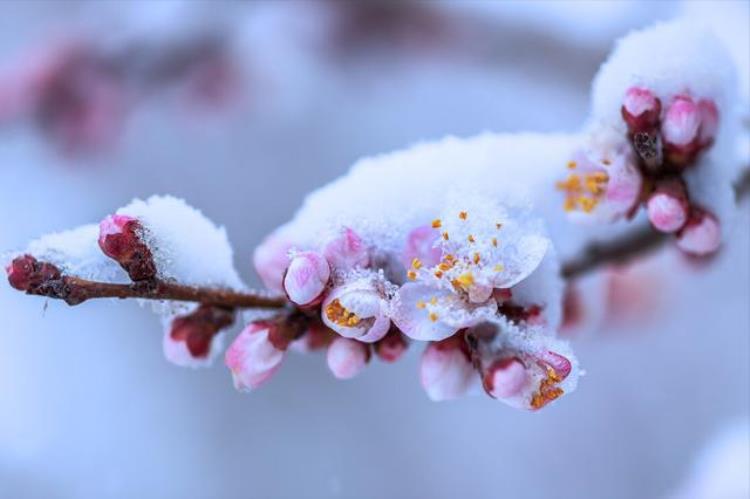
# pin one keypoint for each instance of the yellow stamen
(499, 267)
(471, 238)
(572, 165)
(411, 275)
(433, 316)
(437, 223)
(421, 304)
(445, 236)
(416, 263)
(477, 257)
(338, 314)
(463, 215)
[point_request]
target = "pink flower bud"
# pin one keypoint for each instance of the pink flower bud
(190, 340)
(701, 234)
(253, 357)
(709, 121)
(420, 245)
(505, 378)
(306, 278)
(26, 273)
(346, 251)
(346, 357)
(668, 205)
(446, 370)
(680, 131)
(640, 109)
(120, 238)
(271, 259)
(356, 310)
(392, 346)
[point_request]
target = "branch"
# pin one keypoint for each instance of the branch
(636, 244)
(74, 290)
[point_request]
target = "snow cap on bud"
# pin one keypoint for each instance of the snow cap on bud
(420, 245)
(392, 346)
(640, 109)
(253, 356)
(701, 235)
(306, 278)
(505, 378)
(668, 205)
(346, 357)
(192, 339)
(26, 273)
(120, 238)
(357, 309)
(346, 251)
(271, 259)
(446, 370)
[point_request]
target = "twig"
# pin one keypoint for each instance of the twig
(74, 290)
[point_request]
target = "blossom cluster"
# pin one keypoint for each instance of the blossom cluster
(661, 136)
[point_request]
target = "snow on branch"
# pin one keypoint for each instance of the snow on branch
(457, 243)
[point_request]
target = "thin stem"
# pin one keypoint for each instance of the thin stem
(74, 290)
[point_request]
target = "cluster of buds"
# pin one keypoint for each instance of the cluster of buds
(79, 95)
(452, 277)
(664, 141)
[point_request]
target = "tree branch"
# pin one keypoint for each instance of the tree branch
(74, 290)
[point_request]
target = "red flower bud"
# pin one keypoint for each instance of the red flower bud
(26, 273)
(120, 239)
(196, 332)
(392, 346)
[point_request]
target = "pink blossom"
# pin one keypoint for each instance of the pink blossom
(357, 309)
(347, 357)
(701, 234)
(668, 205)
(446, 370)
(271, 259)
(420, 244)
(120, 238)
(681, 121)
(306, 278)
(346, 251)
(253, 357)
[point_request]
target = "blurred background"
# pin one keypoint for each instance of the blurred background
(242, 108)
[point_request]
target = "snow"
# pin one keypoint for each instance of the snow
(76, 252)
(187, 247)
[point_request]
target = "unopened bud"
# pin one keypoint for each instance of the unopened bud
(446, 370)
(306, 278)
(26, 273)
(347, 358)
(253, 357)
(346, 251)
(392, 346)
(640, 109)
(120, 238)
(701, 235)
(190, 340)
(668, 205)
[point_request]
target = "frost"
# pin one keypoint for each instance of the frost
(187, 246)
